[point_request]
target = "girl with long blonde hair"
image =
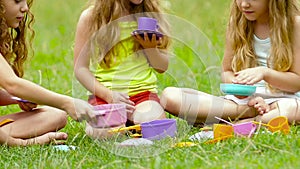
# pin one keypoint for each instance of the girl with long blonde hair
(118, 66)
(262, 49)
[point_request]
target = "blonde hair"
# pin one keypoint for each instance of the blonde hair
(13, 42)
(282, 17)
(105, 12)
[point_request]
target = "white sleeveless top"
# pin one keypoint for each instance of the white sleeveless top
(262, 49)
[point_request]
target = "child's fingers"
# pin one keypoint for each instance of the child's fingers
(146, 38)
(153, 40)
(25, 106)
(137, 36)
(90, 116)
(159, 41)
(127, 101)
(130, 108)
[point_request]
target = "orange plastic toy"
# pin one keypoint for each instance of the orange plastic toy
(277, 124)
(221, 132)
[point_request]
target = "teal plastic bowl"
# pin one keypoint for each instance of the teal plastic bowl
(237, 89)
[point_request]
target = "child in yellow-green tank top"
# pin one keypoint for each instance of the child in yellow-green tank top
(125, 72)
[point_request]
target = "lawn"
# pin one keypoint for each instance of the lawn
(198, 29)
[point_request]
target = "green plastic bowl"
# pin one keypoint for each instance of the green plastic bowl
(237, 89)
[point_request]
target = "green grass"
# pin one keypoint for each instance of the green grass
(198, 42)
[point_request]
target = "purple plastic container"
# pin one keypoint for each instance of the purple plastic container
(159, 129)
(110, 115)
(146, 23)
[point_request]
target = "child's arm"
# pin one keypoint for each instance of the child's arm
(5, 98)
(77, 109)
(288, 81)
(82, 62)
(157, 58)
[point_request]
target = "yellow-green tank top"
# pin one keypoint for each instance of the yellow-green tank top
(130, 73)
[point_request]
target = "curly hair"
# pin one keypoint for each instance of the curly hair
(13, 41)
(282, 17)
(104, 12)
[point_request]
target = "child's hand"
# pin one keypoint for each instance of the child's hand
(123, 99)
(27, 106)
(250, 76)
(146, 42)
(80, 110)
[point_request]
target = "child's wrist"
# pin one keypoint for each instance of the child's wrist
(108, 96)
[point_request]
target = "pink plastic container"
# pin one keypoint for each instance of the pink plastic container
(110, 115)
(159, 129)
(244, 129)
(241, 129)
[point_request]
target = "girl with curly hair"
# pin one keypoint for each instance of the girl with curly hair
(33, 125)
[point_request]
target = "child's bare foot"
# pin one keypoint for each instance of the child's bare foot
(46, 138)
(259, 104)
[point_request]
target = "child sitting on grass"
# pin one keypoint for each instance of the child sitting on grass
(126, 64)
(33, 125)
(262, 49)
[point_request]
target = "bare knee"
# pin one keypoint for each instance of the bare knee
(170, 99)
(58, 117)
(286, 107)
(61, 118)
(165, 96)
(290, 110)
(147, 111)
